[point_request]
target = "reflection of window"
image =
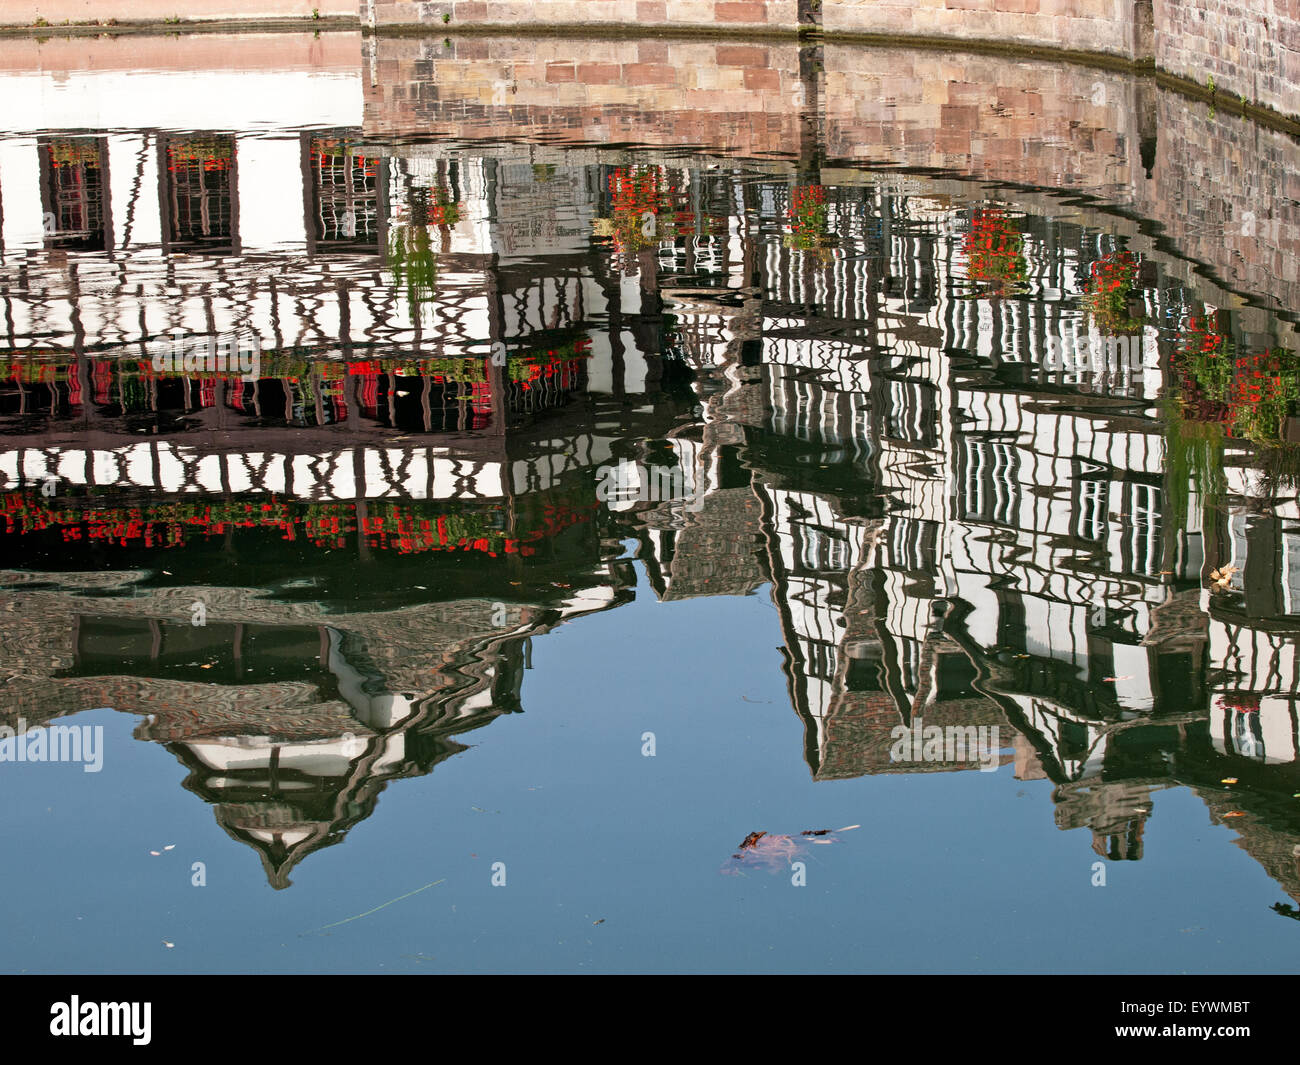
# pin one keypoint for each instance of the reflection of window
(1247, 735)
(820, 659)
(1291, 571)
(911, 413)
(344, 204)
(990, 482)
(824, 550)
(198, 190)
(1144, 537)
(74, 173)
(1091, 521)
(1238, 540)
(909, 663)
(862, 672)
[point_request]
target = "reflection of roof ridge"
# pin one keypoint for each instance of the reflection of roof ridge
(1275, 850)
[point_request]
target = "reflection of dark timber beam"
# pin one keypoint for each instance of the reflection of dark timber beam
(1145, 94)
(812, 151)
(771, 555)
(954, 627)
(362, 507)
(496, 312)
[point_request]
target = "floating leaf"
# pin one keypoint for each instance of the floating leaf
(775, 852)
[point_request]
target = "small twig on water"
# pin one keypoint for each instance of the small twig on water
(399, 898)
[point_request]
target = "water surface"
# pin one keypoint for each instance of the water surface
(467, 531)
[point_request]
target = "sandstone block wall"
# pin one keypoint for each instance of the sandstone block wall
(1250, 49)
(55, 12)
(1078, 25)
(625, 14)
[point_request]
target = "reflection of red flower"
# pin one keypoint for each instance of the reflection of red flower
(401, 527)
(1106, 293)
(995, 251)
(635, 191)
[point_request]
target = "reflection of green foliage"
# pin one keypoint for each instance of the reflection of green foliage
(1223, 393)
(134, 392)
(809, 218)
(1280, 466)
(462, 371)
(414, 264)
(1265, 389)
(994, 248)
(69, 151)
(1194, 457)
(1106, 296)
(1251, 395)
(536, 361)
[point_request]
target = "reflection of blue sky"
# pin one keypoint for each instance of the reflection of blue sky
(949, 872)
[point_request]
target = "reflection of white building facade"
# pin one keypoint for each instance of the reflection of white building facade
(1253, 638)
(291, 241)
(1023, 476)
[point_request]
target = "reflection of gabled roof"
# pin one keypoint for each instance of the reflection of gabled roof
(1277, 851)
(287, 814)
(717, 553)
(289, 765)
(858, 735)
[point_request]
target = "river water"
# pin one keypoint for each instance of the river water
(456, 524)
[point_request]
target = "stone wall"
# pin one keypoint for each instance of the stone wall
(623, 14)
(1118, 27)
(337, 52)
(56, 12)
(674, 92)
(1250, 50)
(1115, 27)
(1250, 53)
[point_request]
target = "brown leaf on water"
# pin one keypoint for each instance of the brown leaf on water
(774, 853)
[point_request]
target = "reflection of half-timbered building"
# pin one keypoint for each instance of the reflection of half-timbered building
(291, 726)
(1031, 565)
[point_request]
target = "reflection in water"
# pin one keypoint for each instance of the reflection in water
(1005, 461)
